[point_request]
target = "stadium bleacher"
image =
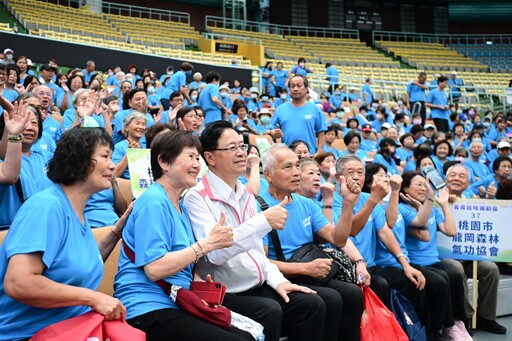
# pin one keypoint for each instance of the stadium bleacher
(497, 56)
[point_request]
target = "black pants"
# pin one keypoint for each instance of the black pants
(303, 318)
(173, 324)
(441, 125)
(430, 304)
(380, 286)
(456, 282)
(423, 111)
(352, 299)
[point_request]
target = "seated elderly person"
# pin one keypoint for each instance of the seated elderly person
(486, 187)
(134, 130)
(50, 273)
(457, 181)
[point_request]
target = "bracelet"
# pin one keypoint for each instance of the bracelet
(201, 248)
(327, 206)
(15, 138)
(422, 228)
(361, 260)
(197, 254)
(401, 254)
(116, 234)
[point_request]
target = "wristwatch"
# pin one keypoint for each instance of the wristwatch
(401, 254)
(15, 138)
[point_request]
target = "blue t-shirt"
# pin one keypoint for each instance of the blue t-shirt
(69, 117)
(454, 86)
(410, 166)
(403, 154)
(52, 127)
(422, 253)
(195, 85)
(118, 125)
(383, 257)
(261, 129)
(336, 101)
(47, 223)
(265, 80)
(438, 97)
(164, 230)
(280, 77)
(332, 74)
(299, 70)
(476, 168)
(367, 89)
(337, 153)
(389, 163)
(485, 181)
(361, 154)
(177, 80)
(212, 111)
(368, 145)
(416, 94)
(33, 179)
(305, 219)
(366, 239)
(99, 209)
(300, 123)
(45, 145)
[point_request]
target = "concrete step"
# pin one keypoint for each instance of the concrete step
(504, 295)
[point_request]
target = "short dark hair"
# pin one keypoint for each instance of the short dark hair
(450, 148)
(504, 190)
(334, 128)
(167, 146)
(421, 158)
(496, 163)
(70, 79)
(186, 66)
(175, 94)
(211, 135)
(183, 111)
(416, 129)
(320, 157)
(129, 95)
(16, 69)
(350, 135)
(154, 130)
(458, 124)
(296, 143)
(406, 181)
(306, 83)
(370, 170)
(72, 161)
(422, 149)
(442, 79)
(404, 136)
(212, 76)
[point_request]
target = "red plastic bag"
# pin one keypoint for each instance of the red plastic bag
(378, 323)
(89, 326)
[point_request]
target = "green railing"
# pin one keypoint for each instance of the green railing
(446, 39)
(284, 30)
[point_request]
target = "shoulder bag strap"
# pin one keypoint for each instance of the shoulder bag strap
(273, 234)
(19, 190)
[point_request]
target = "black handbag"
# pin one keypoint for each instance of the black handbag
(346, 269)
(305, 254)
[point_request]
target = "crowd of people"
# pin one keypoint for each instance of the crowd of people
(64, 144)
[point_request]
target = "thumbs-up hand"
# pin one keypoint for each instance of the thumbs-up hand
(221, 236)
(277, 215)
(278, 133)
(491, 191)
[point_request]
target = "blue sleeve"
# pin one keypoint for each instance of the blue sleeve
(154, 240)
(214, 91)
(41, 232)
(320, 125)
(318, 220)
(430, 97)
(119, 151)
(407, 213)
(379, 217)
(439, 216)
(182, 80)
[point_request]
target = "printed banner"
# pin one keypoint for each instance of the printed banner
(141, 175)
(483, 231)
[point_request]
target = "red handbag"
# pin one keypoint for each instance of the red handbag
(89, 326)
(378, 322)
(189, 302)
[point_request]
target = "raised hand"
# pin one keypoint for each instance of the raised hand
(132, 143)
(277, 215)
(19, 88)
(181, 125)
(380, 188)
(87, 108)
(327, 189)
(174, 112)
(278, 133)
(349, 190)
(395, 182)
(444, 197)
(15, 122)
(411, 201)
(253, 160)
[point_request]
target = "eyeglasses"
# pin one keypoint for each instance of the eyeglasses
(42, 93)
(233, 149)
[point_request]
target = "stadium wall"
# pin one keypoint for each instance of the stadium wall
(69, 54)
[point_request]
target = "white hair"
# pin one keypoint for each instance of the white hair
(269, 159)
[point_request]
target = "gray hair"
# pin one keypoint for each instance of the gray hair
(344, 159)
(89, 63)
(133, 116)
(77, 94)
(269, 160)
(451, 168)
(476, 141)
